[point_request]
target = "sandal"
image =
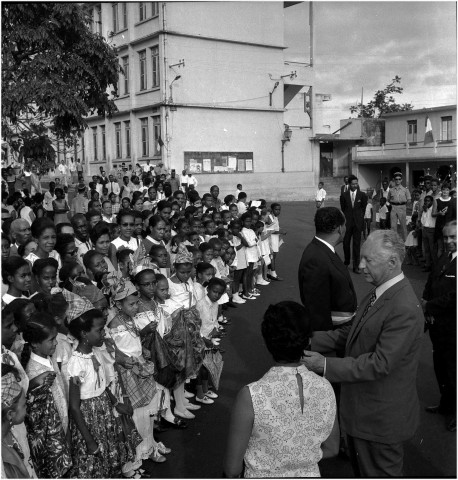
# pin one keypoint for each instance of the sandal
(137, 473)
(161, 448)
(157, 457)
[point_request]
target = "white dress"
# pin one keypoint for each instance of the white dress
(286, 442)
(275, 237)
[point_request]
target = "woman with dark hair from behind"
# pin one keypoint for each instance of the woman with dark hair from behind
(289, 410)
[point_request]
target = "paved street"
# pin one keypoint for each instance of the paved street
(199, 450)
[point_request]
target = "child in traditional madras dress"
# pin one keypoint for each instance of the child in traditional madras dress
(47, 433)
(98, 449)
(182, 291)
(136, 373)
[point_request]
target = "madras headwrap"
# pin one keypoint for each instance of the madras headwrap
(183, 255)
(91, 292)
(123, 290)
(10, 390)
(76, 305)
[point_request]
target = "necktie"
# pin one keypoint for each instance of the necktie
(372, 299)
(352, 198)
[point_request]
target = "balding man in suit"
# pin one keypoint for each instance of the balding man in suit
(379, 401)
(20, 233)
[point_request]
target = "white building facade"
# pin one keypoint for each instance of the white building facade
(207, 87)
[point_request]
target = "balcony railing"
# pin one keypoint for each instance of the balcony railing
(410, 150)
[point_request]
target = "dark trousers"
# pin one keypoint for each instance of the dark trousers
(374, 459)
(444, 361)
(354, 233)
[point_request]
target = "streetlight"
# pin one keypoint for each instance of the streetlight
(171, 83)
(286, 138)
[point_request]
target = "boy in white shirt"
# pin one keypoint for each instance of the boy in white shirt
(368, 219)
(320, 195)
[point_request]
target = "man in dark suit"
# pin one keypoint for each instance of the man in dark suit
(353, 204)
(345, 187)
(379, 407)
(439, 305)
(326, 288)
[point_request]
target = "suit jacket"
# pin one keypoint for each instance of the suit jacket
(378, 374)
(325, 285)
(440, 293)
(342, 189)
(354, 215)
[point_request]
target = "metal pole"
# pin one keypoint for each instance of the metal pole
(283, 156)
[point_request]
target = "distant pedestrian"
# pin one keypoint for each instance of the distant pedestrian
(320, 195)
(368, 216)
(398, 197)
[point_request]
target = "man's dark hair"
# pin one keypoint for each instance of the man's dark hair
(327, 219)
(351, 178)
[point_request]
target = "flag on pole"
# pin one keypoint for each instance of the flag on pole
(428, 131)
(160, 144)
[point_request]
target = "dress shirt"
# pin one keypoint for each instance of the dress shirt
(48, 199)
(352, 196)
(83, 247)
(113, 187)
(326, 243)
(79, 204)
(427, 220)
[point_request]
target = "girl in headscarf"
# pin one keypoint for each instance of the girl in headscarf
(182, 292)
(136, 374)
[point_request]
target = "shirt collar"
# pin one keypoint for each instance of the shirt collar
(326, 243)
(44, 361)
(454, 255)
(381, 289)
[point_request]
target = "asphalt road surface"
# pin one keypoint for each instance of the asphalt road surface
(198, 451)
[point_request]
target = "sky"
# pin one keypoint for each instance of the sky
(365, 44)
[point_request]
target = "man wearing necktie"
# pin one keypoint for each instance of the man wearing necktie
(353, 204)
(439, 305)
(112, 185)
(379, 402)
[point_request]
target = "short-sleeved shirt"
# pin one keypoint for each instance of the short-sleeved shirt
(398, 194)
(93, 383)
(208, 312)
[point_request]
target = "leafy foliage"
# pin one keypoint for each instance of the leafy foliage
(383, 102)
(55, 71)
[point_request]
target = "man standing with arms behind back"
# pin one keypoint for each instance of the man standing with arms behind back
(353, 204)
(398, 197)
(378, 373)
(326, 288)
(439, 305)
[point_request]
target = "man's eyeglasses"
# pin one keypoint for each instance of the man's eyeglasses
(128, 224)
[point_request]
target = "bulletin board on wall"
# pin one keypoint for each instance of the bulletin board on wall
(219, 162)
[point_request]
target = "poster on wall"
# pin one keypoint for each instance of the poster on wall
(219, 162)
(207, 165)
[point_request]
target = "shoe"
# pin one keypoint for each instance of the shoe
(177, 423)
(161, 448)
(192, 406)
(205, 400)
(231, 304)
(255, 294)
(188, 394)
(236, 299)
(186, 414)
(451, 427)
(256, 290)
(248, 297)
(435, 409)
(277, 278)
(160, 427)
(211, 394)
(357, 271)
(157, 457)
(137, 473)
(262, 282)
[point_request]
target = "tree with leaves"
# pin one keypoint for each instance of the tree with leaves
(55, 72)
(383, 102)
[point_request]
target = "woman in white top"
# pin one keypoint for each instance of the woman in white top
(126, 222)
(279, 423)
(17, 275)
(44, 232)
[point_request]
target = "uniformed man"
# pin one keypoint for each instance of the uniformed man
(398, 197)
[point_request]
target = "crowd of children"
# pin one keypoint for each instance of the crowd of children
(112, 324)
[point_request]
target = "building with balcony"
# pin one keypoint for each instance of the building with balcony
(207, 86)
(406, 148)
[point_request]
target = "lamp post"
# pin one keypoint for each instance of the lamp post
(171, 83)
(286, 138)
